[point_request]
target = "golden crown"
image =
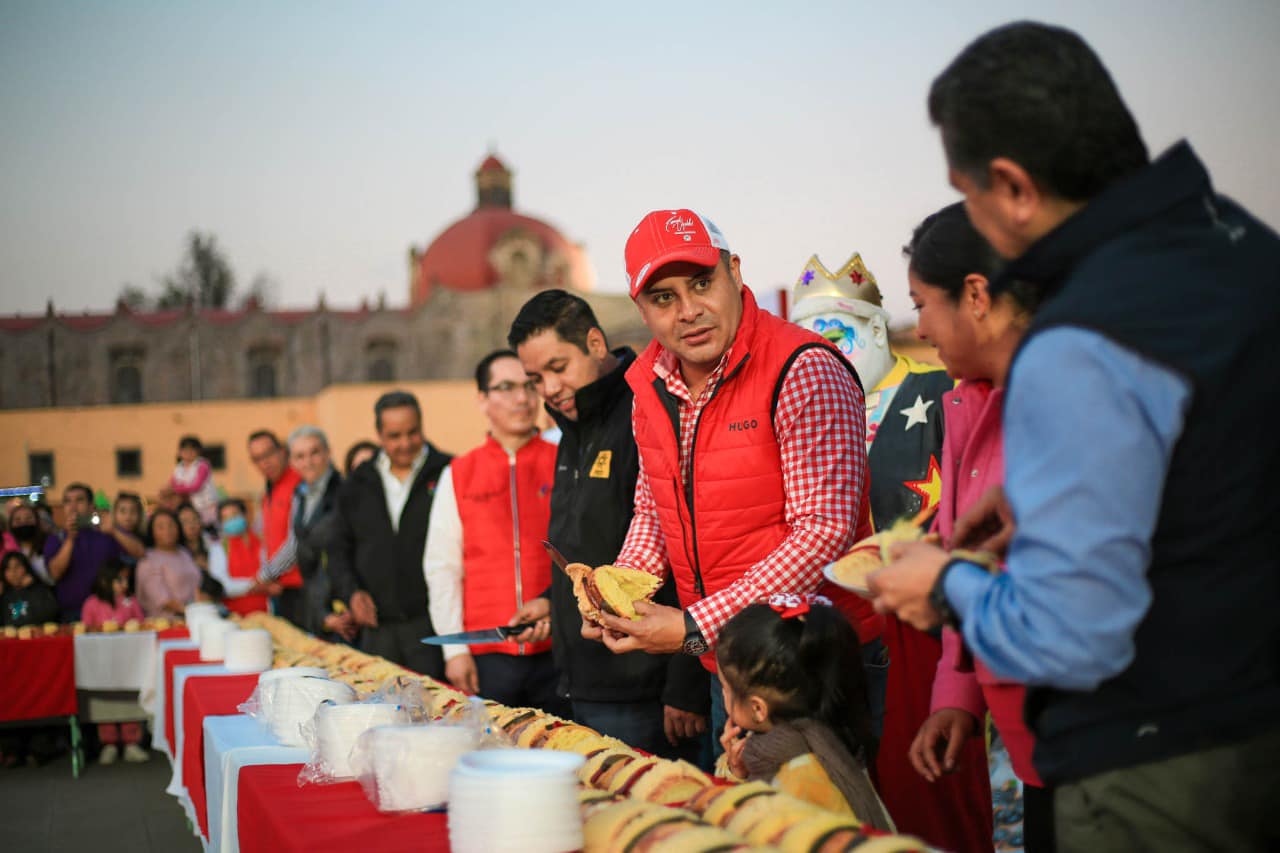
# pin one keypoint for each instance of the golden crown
(851, 281)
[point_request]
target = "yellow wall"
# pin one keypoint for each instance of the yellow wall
(84, 440)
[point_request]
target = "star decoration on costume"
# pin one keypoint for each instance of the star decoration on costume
(918, 413)
(930, 488)
(807, 278)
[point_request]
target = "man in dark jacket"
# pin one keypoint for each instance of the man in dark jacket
(658, 703)
(379, 532)
(1140, 585)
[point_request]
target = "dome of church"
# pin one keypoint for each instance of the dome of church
(474, 252)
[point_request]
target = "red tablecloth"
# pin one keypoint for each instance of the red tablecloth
(277, 816)
(172, 658)
(37, 678)
(206, 696)
(178, 633)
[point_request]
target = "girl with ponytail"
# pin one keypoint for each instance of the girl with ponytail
(796, 697)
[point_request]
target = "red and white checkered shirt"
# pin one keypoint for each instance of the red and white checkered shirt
(820, 424)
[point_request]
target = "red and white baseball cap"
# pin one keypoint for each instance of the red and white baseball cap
(667, 236)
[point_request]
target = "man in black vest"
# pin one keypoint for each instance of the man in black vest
(658, 703)
(379, 532)
(1140, 460)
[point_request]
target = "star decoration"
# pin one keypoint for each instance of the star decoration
(930, 488)
(807, 278)
(857, 277)
(917, 413)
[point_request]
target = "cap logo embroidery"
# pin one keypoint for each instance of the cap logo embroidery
(681, 227)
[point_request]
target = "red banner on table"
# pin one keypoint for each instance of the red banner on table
(173, 658)
(37, 678)
(206, 696)
(275, 815)
(179, 632)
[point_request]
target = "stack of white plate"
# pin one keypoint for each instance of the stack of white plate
(248, 651)
(288, 703)
(338, 726)
(213, 638)
(518, 800)
(196, 614)
(406, 768)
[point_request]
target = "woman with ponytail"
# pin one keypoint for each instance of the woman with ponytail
(796, 698)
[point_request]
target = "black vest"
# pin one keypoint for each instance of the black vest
(1165, 268)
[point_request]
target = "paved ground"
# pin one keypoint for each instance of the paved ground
(108, 809)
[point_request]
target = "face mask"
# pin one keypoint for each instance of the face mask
(234, 526)
(23, 532)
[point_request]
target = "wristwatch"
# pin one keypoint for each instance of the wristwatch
(938, 596)
(694, 643)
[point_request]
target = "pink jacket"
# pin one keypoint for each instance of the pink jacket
(96, 611)
(972, 462)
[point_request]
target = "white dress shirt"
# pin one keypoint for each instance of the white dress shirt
(442, 563)
(395, 489)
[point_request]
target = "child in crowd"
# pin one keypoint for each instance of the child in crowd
(193, 479)
(127, 515)
(110, 601)
(796, 696)
(25, 601)
(235, 559)
(26, 535)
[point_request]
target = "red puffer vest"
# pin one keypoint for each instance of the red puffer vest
(277, 504)
(732, 513)
(243, 561)
(504, 503)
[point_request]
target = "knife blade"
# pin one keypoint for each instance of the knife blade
(556, 557)
(474, 638)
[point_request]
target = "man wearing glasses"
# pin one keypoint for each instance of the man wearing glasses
(484, 558)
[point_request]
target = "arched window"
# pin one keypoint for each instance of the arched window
(380, 361)
(264, 371)
(126, 375)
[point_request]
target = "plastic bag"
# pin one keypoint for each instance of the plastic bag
(408, 693)
(406, 768)
(286, 699)
(332, 733)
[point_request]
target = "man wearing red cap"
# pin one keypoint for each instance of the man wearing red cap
(751, 433)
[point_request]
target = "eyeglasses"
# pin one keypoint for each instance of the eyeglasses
(508, 388)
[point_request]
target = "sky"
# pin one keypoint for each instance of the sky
(320, 140)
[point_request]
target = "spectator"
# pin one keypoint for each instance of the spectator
(75, 556)
(310, 531)
(25, 535)
(358, 454)
(235, 558)
(110, 601)
(127, 515)
(271, 460)
(380, 529)
(168, 578)
(26, 601)
(656, 703)
(193, 479)
(484, 544)
(1138, 493)
(194, 538)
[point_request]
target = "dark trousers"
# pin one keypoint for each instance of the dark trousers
(1223, 798)
(291, 605)
(640, 724)
(398, 643)
(521, 681)
(1037, 820)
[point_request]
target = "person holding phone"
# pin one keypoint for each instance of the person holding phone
(75, 555)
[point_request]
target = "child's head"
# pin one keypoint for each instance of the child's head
(211, 589)
(795, 657)
(232, 517)
(189, 449)
(126, 514)
(16, 570)
(112, 581)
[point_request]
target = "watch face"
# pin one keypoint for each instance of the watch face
(696, 646)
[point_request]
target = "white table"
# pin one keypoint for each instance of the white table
(119, 661)
(153, 701)
(177, 787)
(229, 744)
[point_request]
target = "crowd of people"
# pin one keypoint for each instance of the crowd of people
(1104, 317)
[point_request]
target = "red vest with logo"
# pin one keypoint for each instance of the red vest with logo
(504, 503)
(244, 558)
(732, 513)
(277, 504)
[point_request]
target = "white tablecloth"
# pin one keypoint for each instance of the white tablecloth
(177, 787)
(229, 744)
(153, 700)
(115, 661)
